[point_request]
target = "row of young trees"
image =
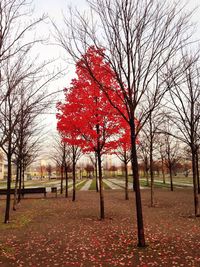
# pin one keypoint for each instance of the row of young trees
(23, 93)
(147, 55)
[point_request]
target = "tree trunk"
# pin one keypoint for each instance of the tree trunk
(196, 200)
(66, 181)
(20, 182)
(102, 213)
(16, 187)
(7, 211)
(163, 171)
(96, 174)
(170, 166)
(23, 181)
(146, 170)
(171, 177)
(74, 179)
(197, 166)
(151, 173)
(126, 180)
(134, 162)
(61, 181)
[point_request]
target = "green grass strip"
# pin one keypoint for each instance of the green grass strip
(79, 185)
(106, 187)
(93, 185)
(120, 185)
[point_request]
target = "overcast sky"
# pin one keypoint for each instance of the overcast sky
(55, 9)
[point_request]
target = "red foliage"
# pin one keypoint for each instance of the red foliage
(87, 118)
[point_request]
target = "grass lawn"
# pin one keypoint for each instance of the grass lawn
(106, 187)
(176, 179)
(80, 184)
(179, 178)
(93, 185)
(59, 232)
(45, 183)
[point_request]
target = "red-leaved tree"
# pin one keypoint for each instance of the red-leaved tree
(86, 118)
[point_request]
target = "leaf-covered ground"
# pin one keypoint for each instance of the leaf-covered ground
(58, 232)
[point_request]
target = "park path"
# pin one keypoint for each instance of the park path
(86, 185)
(121, 183)
(81, 182)
(111, 185)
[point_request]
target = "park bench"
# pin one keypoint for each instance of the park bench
(34, 190)
(4, 191)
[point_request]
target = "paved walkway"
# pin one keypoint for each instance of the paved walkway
(111, 185)
(86, 185)
(121, 183)
(70, 188)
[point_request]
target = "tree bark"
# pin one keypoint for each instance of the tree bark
(126, 180)
(61, 181)
(23, 181)
(74, 179)
(7, 211)
(170, 165)
(197, 166)
(163, 171)
(96, 174)
(171, 177)
(151, 161)
(146, 170)
(16, 187)
(20, 182)
(66, 181)
(196, 200)
(135, 170)
(152, 178)
(101, 195)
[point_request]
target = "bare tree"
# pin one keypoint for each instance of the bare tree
(143, 154)
(76, 153)
(140, 37)
(23, 91)
(13, 13)
(197, 167)
(49, 170)
(13, 48)
(172, 148)
(9, 113)
(150, 131)
(124, 154)
(28, 144)
(61, 156)
(184, 84)
(162, 152)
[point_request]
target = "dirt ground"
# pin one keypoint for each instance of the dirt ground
(59, 232)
